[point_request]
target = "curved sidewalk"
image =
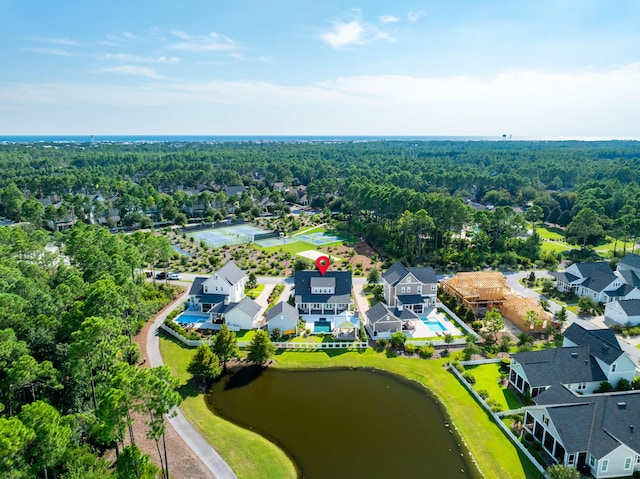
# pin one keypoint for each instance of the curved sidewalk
(198, 445)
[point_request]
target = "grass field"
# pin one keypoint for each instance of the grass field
(487, 378)
(291, 247)
(555, 247)
(251, 456)
(549, 233)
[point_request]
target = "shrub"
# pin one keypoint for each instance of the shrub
(504, 364)
(470, 378)
(483, 393)
(605, 387)
(382, 343)
(494, 405)
(426, 351)
(410, 348)
(636, 383)
(623, 385)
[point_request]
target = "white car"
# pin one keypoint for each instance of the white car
(175, 275)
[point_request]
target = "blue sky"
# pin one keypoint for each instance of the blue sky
(534, 69)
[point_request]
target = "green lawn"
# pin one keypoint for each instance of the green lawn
(555, 247)
(245, 334)
(255, 292)
(292, 247)
(487, 377)
(549, 233)
(248, 453)
(608, 246)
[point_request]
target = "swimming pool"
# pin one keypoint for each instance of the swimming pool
(435, 326)
(185, 318)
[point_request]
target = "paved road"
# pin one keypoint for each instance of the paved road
(200, 447)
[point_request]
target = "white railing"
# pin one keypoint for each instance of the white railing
(278, 345)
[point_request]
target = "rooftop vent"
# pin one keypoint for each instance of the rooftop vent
(622, 405)
(574, 355)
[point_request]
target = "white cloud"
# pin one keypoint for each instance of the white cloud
(389, 19)
(203, 43)
(344, 34)
(355, 32)
(126, 57)
(58, 41)
(132, 70)
(526, 103)
(50, 51)
(415, 16)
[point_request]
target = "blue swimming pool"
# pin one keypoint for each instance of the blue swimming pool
(186, 318)
(435, 326)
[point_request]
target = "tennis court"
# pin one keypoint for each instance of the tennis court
(228, 235)
(318, 239)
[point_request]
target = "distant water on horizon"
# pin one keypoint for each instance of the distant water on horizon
(132, 139)
(229, 138)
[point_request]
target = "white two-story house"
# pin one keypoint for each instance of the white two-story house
(323, 301)
(222, 298)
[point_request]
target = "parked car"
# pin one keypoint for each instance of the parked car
(161, 275)
(175, 275)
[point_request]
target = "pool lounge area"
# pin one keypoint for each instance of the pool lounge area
(435, 324)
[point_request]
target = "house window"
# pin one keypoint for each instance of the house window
(545, 420)
(613, 368)
(403, 288)
(627, 463)
(582, 386)
(592, 461)
(408, 280)
(638, 459)
(605, 465)
(315, 306)
(419, 289)
(408, 289)
(434, 287)
(572, 459)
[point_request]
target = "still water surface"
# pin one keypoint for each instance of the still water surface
(345, 423)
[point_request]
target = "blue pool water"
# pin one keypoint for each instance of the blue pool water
(435, 326)
(185, 318)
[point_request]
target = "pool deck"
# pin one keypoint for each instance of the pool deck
(423, 331)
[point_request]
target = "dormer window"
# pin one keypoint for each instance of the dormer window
(409, 280)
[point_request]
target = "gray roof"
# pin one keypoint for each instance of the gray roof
(630, 277)
(598, 423)
(323, 282)
(411, 298)
(632, 260)
(602, 343)
(378, 312)
(342, 291)
(213, 298)
(196, 287)
(599, 280)
(246, 305)
(231, 273)
(631, 307)
(234, 190)
(283, 308)
(398, 271)
(563, 276)
(590, 269)
(621, 292)
(547, 367)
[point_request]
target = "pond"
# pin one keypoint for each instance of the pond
(345, 423)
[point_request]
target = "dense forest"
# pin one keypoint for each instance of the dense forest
(439, 203)
(70, 303)
(70, 384)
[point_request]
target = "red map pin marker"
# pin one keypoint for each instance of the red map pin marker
(323, 263)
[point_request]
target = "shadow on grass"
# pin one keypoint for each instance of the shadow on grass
(190, 389)
(330, 353)
(172, 339)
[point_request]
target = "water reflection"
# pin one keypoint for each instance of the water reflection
(345, 423)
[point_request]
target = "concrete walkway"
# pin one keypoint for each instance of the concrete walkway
(198, 445)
